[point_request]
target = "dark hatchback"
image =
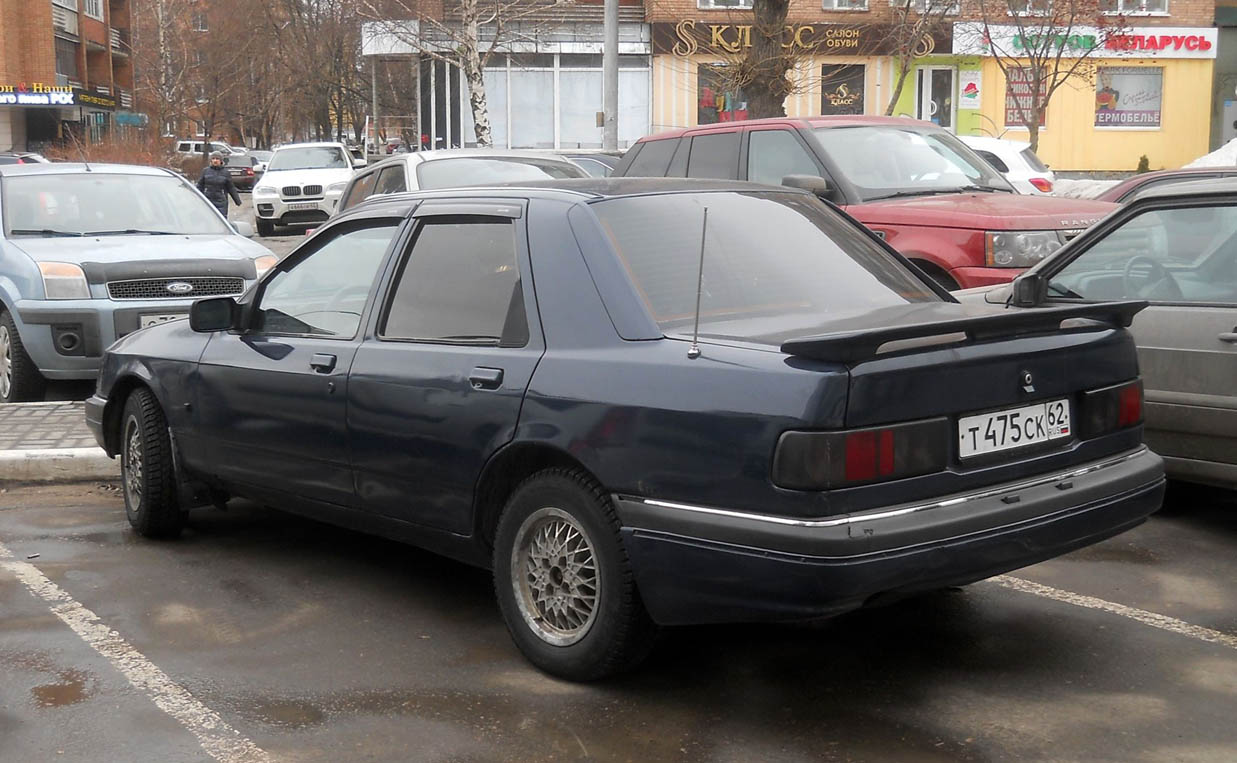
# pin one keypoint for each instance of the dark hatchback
(843, 433)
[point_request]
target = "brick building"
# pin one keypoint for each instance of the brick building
(65, 66)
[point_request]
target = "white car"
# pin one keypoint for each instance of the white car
(1016, 161)
(302, 185)
(191, 147)
(453, 167)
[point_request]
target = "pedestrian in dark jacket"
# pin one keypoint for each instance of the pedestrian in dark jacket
(217, 185)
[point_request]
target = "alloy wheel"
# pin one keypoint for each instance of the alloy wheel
(132, 465)
(6, 362)
(554, 573)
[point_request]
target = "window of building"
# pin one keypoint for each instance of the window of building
(199, 58)
(93, 8)
(70, 4)
(1135, 7)
(934, 6)
(66, 58)
(199, 22)
(844, 5)
(717, 100)
(1030, 7)
(1128, 96)
(723, 4)
(461, 284)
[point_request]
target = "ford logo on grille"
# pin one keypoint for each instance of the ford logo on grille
(179, 287)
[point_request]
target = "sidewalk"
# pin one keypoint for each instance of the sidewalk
(49, 442)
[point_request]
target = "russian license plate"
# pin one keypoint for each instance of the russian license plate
(153, 319)
(299, 206)
(1013, 428)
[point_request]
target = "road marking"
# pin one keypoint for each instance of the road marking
(222, 742)
(1163, 622)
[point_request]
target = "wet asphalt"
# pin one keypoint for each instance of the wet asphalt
(318, 644)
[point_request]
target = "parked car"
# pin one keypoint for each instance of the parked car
(1175, 246)
(1133, 186)
(453, 167)
(263, 157)
(242, 168)
(911, 182)
(1015, 160)
(22, 157)
(90, 255)
(192, 147)
(401, 373)
(596, 164)
(302, 185)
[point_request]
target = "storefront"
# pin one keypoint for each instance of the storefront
(839, 69)
(35, 115)
(1144, 91)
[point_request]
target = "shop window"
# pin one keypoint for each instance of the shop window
(93, 8)
(844, 5)
(842, 88)
(718, 4)
(66, 58)
(1134, 7)
(716, 100)
(1128, 96)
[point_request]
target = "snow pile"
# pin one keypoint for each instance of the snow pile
(1224, 156)
(1081, 189)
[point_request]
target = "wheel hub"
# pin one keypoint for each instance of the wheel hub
(554, 573)
(6, 362)
(133, 463)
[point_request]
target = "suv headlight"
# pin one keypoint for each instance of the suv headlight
(265, 190)
(1019, 249)
(64, 280)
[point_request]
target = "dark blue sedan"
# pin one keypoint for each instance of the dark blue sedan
(641, 403)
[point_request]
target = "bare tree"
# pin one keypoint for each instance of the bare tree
(163, 59)
(1040, 45)
(910, 33)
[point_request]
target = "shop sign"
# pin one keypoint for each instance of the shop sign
(973, 38)
(970, 85)
(690, 37)
(94, 100)
(41, 95)
(1128, 96)
(1019, 96)
(841, 88)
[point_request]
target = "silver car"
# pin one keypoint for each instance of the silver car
(1175, 247)
(91, 253)
(454, 167)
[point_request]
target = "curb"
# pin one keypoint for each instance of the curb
(57, 465)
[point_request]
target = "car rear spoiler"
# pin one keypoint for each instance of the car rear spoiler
(861, 344)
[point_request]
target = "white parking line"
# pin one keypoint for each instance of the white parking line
(1163, 622)
(222, 742)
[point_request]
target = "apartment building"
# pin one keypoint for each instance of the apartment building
(65, 67)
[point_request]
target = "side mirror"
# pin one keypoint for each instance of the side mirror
(243, 228)
(358, 163)
(814, 183)
(214, 314)
(1029, 290)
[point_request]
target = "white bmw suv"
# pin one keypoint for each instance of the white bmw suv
(302, 185)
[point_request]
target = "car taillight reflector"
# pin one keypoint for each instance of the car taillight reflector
(1111, 408)
(249, 170)
(824, 460)
(1042, 184)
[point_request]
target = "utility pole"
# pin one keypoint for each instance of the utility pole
(609, 77)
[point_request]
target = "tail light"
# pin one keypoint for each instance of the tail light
(1042, 184)
(249, 171)
(1111, 408)
(826, 460)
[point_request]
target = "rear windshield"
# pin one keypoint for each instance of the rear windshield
(483, 170)
(1033, 161)
(774, 263)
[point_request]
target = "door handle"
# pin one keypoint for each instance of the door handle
(1229, 336)
(485, 378)
(322, 362)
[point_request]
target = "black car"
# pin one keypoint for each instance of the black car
(242, 168)
(842, 431)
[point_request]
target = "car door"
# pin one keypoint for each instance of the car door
(438, 389)
(271, 399)
(1187, 338)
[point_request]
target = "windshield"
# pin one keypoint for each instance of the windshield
(97, 202)
(483, 170)
(310, 158)
(887, 160)
(774, 263)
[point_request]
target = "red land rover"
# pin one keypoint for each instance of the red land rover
(911, 182)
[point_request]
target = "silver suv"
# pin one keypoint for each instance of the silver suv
(91, 253)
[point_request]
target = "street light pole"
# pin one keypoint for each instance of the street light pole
(609, 76)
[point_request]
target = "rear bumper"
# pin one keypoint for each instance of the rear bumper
(698, 564)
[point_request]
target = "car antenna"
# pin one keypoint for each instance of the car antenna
(693, 352)
(81, 151)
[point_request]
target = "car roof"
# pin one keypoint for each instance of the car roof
(461, 153)
(74, 168)
(986, 142)
(313, 144)
(845, 120)
(1192, 188)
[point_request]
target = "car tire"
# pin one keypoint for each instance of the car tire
(20, 380)
(147, 473)
(551, 517)
(266, 228)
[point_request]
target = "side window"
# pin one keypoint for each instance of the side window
(992, 159)
(390, 180)
(774, 154)
(460, 284)
(714, 156)
(183, 147)
(653, 159)
(1185, 254)
(360, 190)
(325, 293)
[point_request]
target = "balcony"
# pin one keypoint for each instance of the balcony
(125, 98)
(64, 21)
(120, 40)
